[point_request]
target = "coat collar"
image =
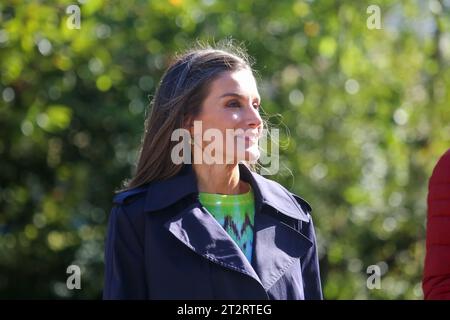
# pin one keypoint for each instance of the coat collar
(162, 194)
(277, 246)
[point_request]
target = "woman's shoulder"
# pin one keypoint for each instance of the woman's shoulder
(127, 213)
(133, 197)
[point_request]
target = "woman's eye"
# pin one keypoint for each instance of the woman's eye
(234, 104)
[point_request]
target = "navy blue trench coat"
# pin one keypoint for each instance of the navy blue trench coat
(163, 244)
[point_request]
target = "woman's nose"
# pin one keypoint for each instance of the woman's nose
(253, 118)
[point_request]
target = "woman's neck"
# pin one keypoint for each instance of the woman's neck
(222, 179)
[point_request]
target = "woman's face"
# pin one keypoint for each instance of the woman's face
(232, 109)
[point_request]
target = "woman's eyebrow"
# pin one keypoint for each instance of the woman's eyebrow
(234, 94)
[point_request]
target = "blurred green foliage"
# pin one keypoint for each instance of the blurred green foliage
(363, 115)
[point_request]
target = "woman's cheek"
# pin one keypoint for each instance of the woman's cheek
(235, 117)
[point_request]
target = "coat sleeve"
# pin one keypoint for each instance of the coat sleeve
(124, 259)
(436, 278)
(310, 266)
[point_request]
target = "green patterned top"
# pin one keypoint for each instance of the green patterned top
(235, 213)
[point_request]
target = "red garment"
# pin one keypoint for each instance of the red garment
(436, 278)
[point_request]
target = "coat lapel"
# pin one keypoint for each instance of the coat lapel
(276, 244)
(199, 230)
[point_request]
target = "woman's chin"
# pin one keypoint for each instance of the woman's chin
(251, 156)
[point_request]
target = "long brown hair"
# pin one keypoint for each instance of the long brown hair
(178, 98)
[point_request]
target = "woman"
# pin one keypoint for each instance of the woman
(436, 277)
(208, 229)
